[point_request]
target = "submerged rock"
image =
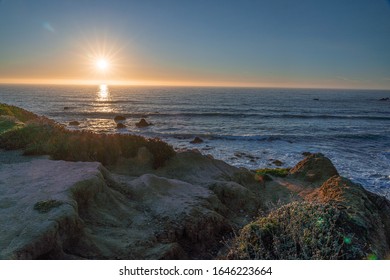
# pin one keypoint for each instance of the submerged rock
(74, 123)
(142, 123)
(385, 99)
(277, 162)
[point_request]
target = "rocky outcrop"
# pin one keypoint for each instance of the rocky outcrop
(80, 210)
(180, 209)
(337, 219)
(365, 214)
(315, 168)
(142, 123)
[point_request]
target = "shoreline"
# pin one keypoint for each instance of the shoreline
(145, 201)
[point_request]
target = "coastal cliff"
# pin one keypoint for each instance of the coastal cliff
(79, 195)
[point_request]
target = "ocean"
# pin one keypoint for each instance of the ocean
(246, 127)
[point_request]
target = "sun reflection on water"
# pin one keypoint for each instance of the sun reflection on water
(103, 93)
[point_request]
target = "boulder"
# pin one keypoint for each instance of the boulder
(119, 118)
(142, 123)
(197, 140)
(74, 123)
(314, 168)
(365, 214)
(120, 125)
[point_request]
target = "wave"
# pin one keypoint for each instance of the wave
(186, 136)
(97, 114)
(290, 138)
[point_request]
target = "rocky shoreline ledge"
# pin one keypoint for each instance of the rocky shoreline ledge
(79, 195)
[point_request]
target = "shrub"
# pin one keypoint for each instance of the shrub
(277, 172)
(6, 123)
(19, 113)
(46, 205)
(43, 136)
(299, 230)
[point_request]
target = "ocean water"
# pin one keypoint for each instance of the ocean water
(243, 126)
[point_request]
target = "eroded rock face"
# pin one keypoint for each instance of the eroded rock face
(79, 210)
(313, 169)
(27, 232)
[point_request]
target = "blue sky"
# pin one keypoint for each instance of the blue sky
(306, 43)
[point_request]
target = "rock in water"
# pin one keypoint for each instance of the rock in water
(142, 123)
(120, 125)
(197, 140)
(314, 168)
(119, 118)
(277, 162)
(74, 123)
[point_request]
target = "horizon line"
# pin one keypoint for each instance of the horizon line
(75, 82)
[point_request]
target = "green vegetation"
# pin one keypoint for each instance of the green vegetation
(299, 230)
(46, 205)
(41, 136)
(19, 113)
(6, 124)
(277, 172)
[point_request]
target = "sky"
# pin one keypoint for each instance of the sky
(269, 43)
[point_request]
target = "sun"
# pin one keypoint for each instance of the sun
(102, 64)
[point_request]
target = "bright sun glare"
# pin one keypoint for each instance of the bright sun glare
(102, 64)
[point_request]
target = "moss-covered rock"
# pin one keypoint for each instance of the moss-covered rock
(47, 205)
(300, 230)
(277, 172)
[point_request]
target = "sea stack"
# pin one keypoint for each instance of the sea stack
(142, 123)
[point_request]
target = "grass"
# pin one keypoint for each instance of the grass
(40, 136)
(299, 230)
(6, 124)
(277, 172)
(46, 205)
(19, 113)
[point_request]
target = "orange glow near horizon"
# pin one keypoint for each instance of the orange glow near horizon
(110, 82)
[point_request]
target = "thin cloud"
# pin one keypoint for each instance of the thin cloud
(351, 80)
(48, 27)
